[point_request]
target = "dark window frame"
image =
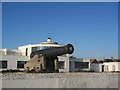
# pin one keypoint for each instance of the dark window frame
(26, 53)
(83, 65)
(21, 65)
(61, 64)
(1, 64)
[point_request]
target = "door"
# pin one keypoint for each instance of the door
(102, 68)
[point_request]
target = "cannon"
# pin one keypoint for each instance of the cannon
(46, 60)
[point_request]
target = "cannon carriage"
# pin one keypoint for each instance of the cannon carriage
(46, 60)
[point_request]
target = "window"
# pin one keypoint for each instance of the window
(3, 64)
(41, 48)
(45, 47)
(20, 64)
(61, 64)
(102, 68)
(38, 48)
(34, 49)
(26, 51)
(81, 64)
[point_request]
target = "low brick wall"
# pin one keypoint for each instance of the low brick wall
(60, 80)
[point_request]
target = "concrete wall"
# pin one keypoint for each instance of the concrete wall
(60, 80)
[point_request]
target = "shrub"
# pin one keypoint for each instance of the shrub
(11, 70)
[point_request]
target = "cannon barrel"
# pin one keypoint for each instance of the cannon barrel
(56, 51)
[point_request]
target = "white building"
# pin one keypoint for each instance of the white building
(97, 67)
(28, 49)
(111, 65)
(106, 65)
(15, 59)
(12, 59)
(80, 64)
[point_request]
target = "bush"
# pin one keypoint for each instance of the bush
(88, 71)
(85, 71)
(11, 70)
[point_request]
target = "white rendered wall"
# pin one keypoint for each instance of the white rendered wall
(12, 60)
(66, 60)
(87, 60)
(108, 66)
(23, 50)
(96, 67)
(119, 66)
